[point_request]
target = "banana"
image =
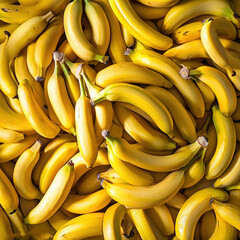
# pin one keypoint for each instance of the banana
(86, 136)
(8, 196)
(219, 84)
(54, 163)
(231, 175)
(228, 212)
(188, 9)
(58, 219)
(75, 36)
(128, 38)
(89, 182)
(9, 151)
(191, 31)
(162, 218)
(234, 196)
(177, 111)
(159, 3)
(142, 99)
(42, 230)
(33, 112)
(58, 97)
(54, 197)
(5, 226)
(22, 175)
(144, 33)
(120, 72)
(223, 230)
(82, 227)
(99, 25)
(111, 175)
(14, 104)
(8, 136)
(67, 50)
(207, 225)
(194, 207)
(46, 44)
(177, 201)
(31, 28)
(169, 69)
(123, 150)
(235, 186)
(8, 168)
(32, 67)
(226, 142)
(112, 222)
(87, 203)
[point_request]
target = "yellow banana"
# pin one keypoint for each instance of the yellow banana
(142, 99)
(9, 151)
(188, 9)
(223, 230)
(67, 50)
(87, 203)
(228, 212)
(226, 142)
(235, 186)
(32, 67)
(169, 69)
(231, 175)
(75, 36)
(159, 3)
(57, 160)
(86, 136)
(162, 218)
(99, 25)
(112, 222)
(8, 136)
(42, 230)
(128, 38)
(54, 197)
(22, 175)
(123, 150)
(207, 225)
(58, 219)
(120, 72)
(177, 201)
(14, 104)
(144, 33)
(5, 226)
(89, 182)
(82, 227)
(110, 175)
(34, 113)
(58, 96)
(8, 168)
(193, 209)
(46, 44)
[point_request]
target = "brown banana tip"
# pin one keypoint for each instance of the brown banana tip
(105, 59)
(79, 69)
(98, 176)
(13, 211)
(203, 141)
(101, 182)
(127, 52)
(39, 141)
(45, 107)
(70, 163)
(235, 15)
(39, 79)
(7, 33)
(105, 133)
(92, 102)
(184, 72)
(233, 73)
(211, 201)
(207, 20)
(15, 97)
(57, 56)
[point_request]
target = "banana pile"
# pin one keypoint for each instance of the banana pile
(120, 119)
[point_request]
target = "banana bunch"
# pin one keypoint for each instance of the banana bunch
(119, 119)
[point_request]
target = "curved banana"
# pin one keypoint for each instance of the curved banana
(8, 136)
(86, 136)
(9, 151)
(188, 9)
(123, 150)
(141, 131)
(112, 222)
(110, 175)
(120, 72)
(226, 142)
(223, 230)
(58, 97)
(5, 226)
(235, 186)
(177, 201)
(58, 219)
(75, 36)
(46, 44)
(231, 175)
(128, 38)
(207, 225)
(159, 3)
(22, 175)
(154, 108)
(169, 69)
(87, 203)
(54, 163)
(194, 207)
(228, 212)
(32, 67)
(9, 199)
(54, 197)
(82, 227)
(34, 113)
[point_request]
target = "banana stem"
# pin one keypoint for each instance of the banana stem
(82, 88)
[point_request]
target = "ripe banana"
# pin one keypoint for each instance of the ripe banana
(54, 197)
(177, 201)
(32, 67)
(58, 97)
(34, 113)
(5, 226)
(111, 175)
(121, 72)
(8, 136)
(159, 3)
(67, 50)
(58, 219)
(148, 103)
(75, 36)
(228, 212)
(22, 175)
(169, 69)
(144, 33)
(194, 207)
(123, 150)
(128, 38)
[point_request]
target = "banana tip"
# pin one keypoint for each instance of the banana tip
(79, 70)
(92, 102)
(203, 141)
(235, 15)
(39, 79)
(211, 201)
(98, 176)
(13, 211)
(127, 52)
(58, 56)
(7, 33)
(184, 72)
(105, 133)
(70, 163)
(101, 182)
